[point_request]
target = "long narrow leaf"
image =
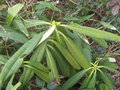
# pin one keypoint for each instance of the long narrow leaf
(73, 80)
(67, 55)
(3, 59)
(21, 53)
(19, 24)
(31, 23)
(61, 62)
(92, 32)
(101, 42)
(12, 12)
(76, 53)
(36, 57)
(14, 36)
(52, 65)
(44, 76)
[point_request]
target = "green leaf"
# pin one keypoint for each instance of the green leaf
(70, 18)
(61, 62)
(92, 32)
(12, 12)
(26, 49)
(1, 0)
(87, 81)
(107, 25)
(111, 69)
(3, 6)
(50, 5)
(40, 74)
(67, 56)
(106, 79)
(19, 24)
(78, 20)
(82, 19)
(14, 68)
(52, 66)
(48, 33)
(87, 51)
(3, 59)
(73, 80)
(36, 57)
(92, 82)
(14, 36)
(76, 53)
(31, 23)
(10, 86)
(16, 86)
(37, 66)
(101, 42)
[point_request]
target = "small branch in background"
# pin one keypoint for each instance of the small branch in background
(6, 46)
(73, 1)
(7, 3)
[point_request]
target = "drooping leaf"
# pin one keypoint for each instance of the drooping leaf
(26, 49)
(61, 62)
(36, 57)
(52, 66)
(92, 32)
(76, 53)
(67, 56)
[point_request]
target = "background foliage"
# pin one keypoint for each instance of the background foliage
(59, 44)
